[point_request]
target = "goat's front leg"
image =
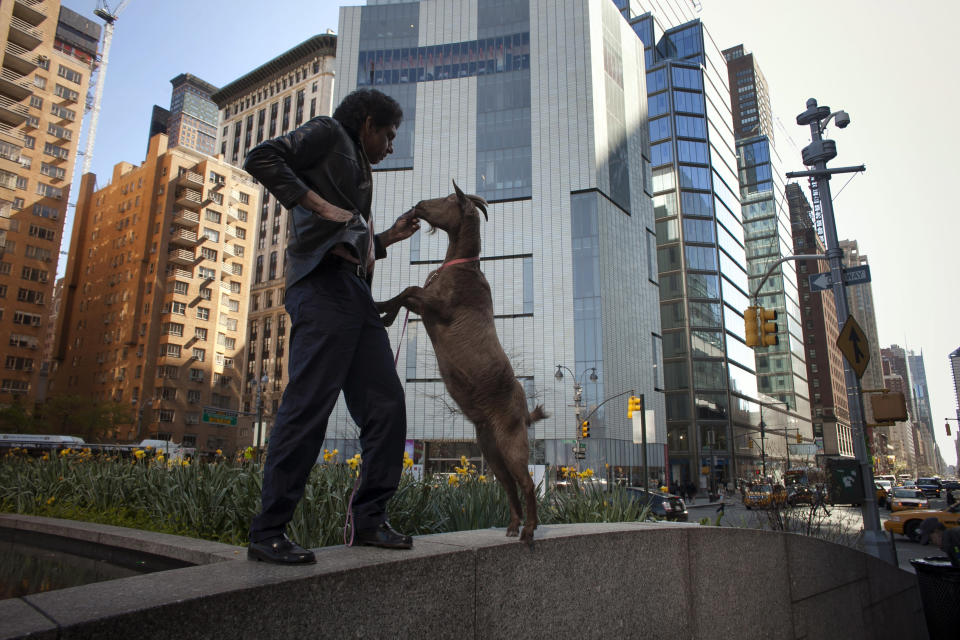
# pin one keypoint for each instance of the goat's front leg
(412, 298)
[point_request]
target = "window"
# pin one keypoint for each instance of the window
(211, 234)
(217, 198)
(244, 199)
(193, 396)
(63, 113)
(200, 333)
(55, 151)
(70, 74)
(196, 375)
(172, 329)
(181, 288)
(63, 92)
(203, 313)
(171, 350)
(179, 308)
(213, 216)
(199, 354)
(36, 102)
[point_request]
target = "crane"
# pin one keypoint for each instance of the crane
(109, 16)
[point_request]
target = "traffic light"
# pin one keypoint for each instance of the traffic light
(799, 438)
(634, 404)
(749, 443)
(768, 328)
(751, 326)
(947, 425)
(585, 429)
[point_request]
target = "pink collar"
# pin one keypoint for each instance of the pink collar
(433, 276)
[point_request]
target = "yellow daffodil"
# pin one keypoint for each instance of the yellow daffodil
(327, 456)
(46, 456)
(355, 461)
(139, 454)
(51, 500)
(160, 458)
(453, 481)
(219, 452)
(482, 478)
(407, 461)
(248, 453)
(64, 452)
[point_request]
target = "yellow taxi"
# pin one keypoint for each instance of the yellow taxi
(904, 499)
(906, 522)
(763, 496)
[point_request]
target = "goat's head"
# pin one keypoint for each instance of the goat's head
(451, 212)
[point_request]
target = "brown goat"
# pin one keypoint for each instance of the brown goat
(457, 311)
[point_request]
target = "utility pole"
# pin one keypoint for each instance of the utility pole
(816, 155)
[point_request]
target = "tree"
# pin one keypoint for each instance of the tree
(82, 416)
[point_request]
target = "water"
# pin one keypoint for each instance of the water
(50, 562)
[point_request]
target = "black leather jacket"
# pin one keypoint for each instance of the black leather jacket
(323, 156)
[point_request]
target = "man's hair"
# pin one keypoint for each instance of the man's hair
(360, 104)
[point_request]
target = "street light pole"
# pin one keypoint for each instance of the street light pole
(140, 419)
(817, 154)
(577, 398)
(260, 383)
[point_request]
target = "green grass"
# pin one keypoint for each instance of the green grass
(216, 501)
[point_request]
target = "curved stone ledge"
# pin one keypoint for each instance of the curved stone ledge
(651, 580)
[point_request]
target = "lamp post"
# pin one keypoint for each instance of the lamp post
(258, 432)
(577, 398)
(816, 155)
(148, 403)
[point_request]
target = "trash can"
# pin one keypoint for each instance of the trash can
(940, 592)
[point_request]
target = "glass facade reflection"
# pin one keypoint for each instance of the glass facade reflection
(700, 249)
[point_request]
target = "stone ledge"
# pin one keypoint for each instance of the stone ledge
(659, 580)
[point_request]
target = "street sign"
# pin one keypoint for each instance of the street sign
(821, 281)
(854, 346)
(856, 275)
(220, 416)
(851, 276)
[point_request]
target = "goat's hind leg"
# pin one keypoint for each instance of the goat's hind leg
(515, 447)
(494, 459)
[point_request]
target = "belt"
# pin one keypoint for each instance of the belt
(336, 262)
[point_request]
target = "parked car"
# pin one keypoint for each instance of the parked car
(662, 505)
(884, 488)
(903, 499)
(930, 486)
(906, 522)
(764, 496)
(800, 494)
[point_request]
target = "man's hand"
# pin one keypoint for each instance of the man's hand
(324, 209)
(404, 227)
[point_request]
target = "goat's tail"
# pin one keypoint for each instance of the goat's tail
(537, 414)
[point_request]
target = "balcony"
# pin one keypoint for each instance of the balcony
(179, 274)
(183, 238)
(189, 198)
(30, 11)
(14, 86)
(190, 179)
(9, 134)
(232, 214)
(225, 286)
(23, 33)
(182, 257)
(19, 59)
(186, 218)
(12, 113)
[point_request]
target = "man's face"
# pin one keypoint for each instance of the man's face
(936, 537)
(377, 141)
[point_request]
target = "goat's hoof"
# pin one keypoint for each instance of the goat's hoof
(527, 536)
(513, 532)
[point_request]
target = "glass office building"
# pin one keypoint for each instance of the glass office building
(551, 130)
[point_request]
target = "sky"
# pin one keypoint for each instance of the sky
(862, 56)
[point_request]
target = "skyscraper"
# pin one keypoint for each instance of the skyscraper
(273, 99)
(193, 115)
(154, 308)
(818, 314)
(781, 369)
(49, 53)
(555, 140)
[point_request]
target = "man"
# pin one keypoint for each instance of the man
(321, 173)
(932, 530)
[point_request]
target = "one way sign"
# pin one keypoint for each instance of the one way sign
(851, 276)
(854, 346)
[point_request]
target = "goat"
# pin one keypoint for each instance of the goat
(457, 311)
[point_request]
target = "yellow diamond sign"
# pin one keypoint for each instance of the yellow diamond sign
(854, 346)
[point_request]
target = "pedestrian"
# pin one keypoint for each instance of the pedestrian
(321, 172)
(932, 530)
(675, 488)
(692, 492)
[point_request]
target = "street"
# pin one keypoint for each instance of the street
(842, 525)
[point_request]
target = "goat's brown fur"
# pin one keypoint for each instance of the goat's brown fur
(457, 311)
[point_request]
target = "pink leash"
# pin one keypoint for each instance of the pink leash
(348, 524)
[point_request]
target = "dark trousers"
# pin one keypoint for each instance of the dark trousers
(337, 342)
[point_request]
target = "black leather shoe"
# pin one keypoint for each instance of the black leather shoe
(279, 550)
(384, 536)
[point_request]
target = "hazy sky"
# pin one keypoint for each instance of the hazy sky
(890, 65)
